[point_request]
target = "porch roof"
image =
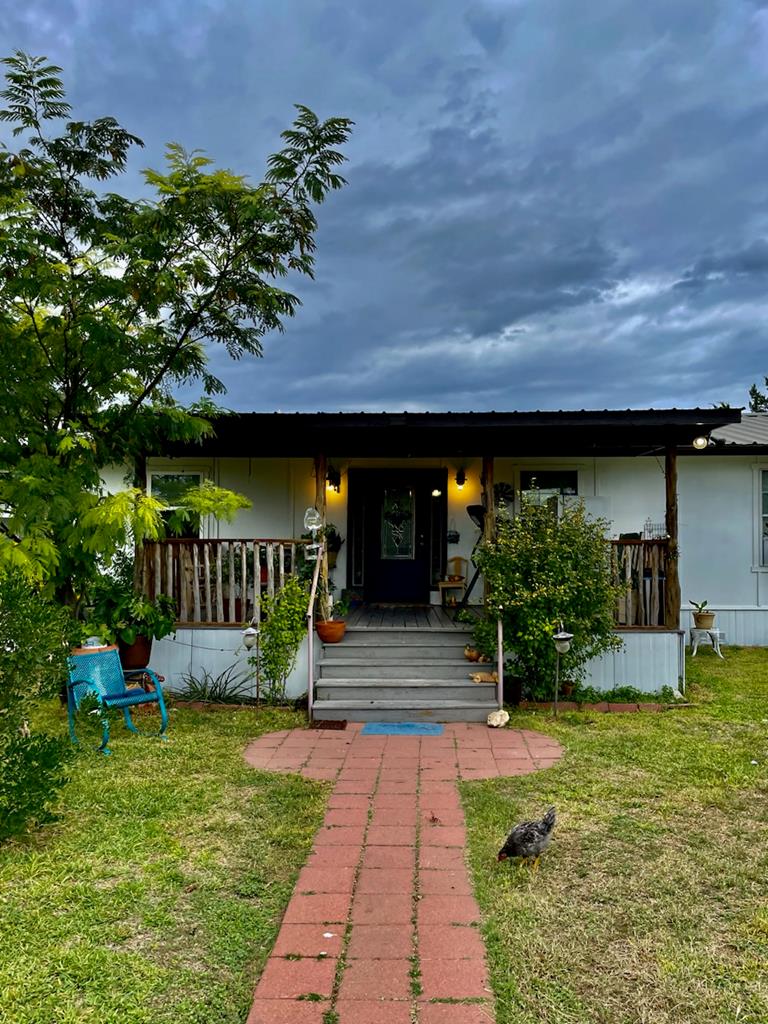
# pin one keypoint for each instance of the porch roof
(603, 433)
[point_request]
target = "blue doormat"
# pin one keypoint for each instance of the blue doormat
(402, 729)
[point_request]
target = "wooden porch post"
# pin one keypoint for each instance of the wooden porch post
(489, 521)
(672, 590)
(489, 527)
(321, 471)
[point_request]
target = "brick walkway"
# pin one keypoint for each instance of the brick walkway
(381, 927)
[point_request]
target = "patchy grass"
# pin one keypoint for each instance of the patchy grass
(157, 895)
(651, 906)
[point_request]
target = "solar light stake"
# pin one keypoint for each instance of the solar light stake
(562, 642)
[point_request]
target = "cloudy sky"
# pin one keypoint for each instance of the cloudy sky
(550, 204)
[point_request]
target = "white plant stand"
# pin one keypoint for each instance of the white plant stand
(708, 637)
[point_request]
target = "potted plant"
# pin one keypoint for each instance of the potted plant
(330, 624)
(702, 619)
(132, 620)
(333, 544)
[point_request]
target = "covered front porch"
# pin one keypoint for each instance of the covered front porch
(412, 495)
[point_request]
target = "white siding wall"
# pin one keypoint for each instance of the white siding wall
(114, 479)
(647, 661)
(191, 651)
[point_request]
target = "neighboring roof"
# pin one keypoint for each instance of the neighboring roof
(752, 431)
(447, 434)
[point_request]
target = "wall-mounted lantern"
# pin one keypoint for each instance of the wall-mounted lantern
(333, 479)
(461, 478)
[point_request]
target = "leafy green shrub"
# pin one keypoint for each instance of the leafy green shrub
(35, 638)
(282, 631)
(544, 569)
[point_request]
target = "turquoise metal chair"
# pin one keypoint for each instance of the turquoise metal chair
(98, 671)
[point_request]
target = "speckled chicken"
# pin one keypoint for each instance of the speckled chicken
(529, 839)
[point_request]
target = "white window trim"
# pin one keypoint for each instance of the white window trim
(757, 517)
(201, 467)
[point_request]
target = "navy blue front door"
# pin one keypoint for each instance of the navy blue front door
(396, 529)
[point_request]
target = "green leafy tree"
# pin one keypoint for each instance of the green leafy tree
(758, 400)
(108, 303)
(544, 569)
(35, 637)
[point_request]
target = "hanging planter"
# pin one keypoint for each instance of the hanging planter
(333, 544)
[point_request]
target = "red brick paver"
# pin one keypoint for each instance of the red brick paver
(386, 885)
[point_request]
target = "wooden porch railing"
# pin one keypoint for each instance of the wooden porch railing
(642, 565)
(218, 582)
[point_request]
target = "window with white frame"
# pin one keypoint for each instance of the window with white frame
(169, 486)
(763, 499)
(541, 486)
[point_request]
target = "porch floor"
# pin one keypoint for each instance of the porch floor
(404, 616)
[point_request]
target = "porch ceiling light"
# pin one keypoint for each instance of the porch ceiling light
(333, 479)
(461, 479)
(700, 443)
(436, 493)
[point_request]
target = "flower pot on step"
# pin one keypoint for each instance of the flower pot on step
(331, 631)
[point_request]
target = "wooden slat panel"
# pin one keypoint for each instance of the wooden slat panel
(271, 570)
(196, 583)
(145, 553)
(169, 572)
(232, 609)
(158, 571)
(183, 573)
(256, 582)
(654, 558)
(244, 581)
(219, 586)
(281, 564)
(207, 581)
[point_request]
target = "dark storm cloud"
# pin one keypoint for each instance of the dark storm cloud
(549, 204)
(752, 260)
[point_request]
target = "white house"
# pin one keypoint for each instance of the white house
(686, 519)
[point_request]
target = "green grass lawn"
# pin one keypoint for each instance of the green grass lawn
(157, 895)
(651, 906)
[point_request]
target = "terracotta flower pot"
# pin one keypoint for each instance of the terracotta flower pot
(332, 556)
(331, 631)
(137, 654)
(704, 620)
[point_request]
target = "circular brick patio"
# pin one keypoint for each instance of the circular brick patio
(386, 883)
